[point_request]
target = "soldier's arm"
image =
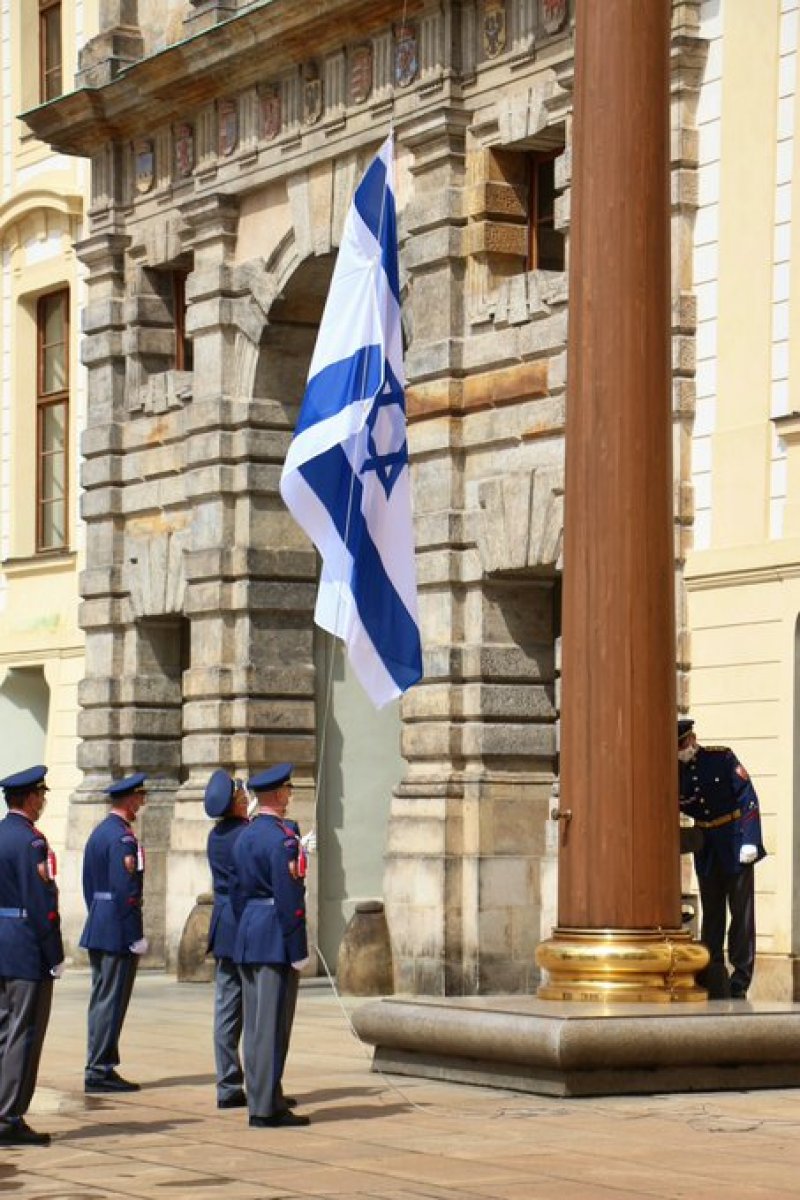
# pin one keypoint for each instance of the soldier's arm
(41, 901)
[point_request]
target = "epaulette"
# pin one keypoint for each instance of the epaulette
(719, 749)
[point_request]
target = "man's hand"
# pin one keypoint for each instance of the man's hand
(309, 841)
(140, 946)
(303, 962)
(58, 970)
(748, 853)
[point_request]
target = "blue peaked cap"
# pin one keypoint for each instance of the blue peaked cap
(23, 780)
(685, 725)
(131, 783)
(269, 780)
(218, 794)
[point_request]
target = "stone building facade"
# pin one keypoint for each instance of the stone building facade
(226, 138)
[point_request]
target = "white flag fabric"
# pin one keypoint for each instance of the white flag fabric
(346, 478)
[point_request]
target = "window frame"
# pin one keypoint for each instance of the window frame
(46, 71)
(184, 350)
(46, 401)
(538, 159)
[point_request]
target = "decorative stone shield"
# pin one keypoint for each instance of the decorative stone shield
(406, 60)
(359, 81)
(554, 14)
(494, 28)
(184, 149)
(227, 127)
(312, 94)
(144, 165)
(271, 115)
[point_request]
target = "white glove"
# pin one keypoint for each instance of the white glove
(303, 962)
(140, 946)
(58, 970)
(309, 842)
(748, 853)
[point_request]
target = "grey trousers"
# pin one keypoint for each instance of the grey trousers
(24, 1013)
(264, 996)
(228, 1029)
(112, 984)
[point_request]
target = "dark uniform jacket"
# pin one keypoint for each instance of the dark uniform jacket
(716, 791)
(30, 927)
(221, 840)
(113, 878)
(268, 894)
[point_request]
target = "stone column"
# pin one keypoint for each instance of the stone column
(619, 928)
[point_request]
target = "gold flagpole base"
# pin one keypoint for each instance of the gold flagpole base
(622, 966)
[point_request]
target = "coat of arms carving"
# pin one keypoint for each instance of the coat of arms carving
(554, 14)
(271, 115)
(406, 61)
(144, 165)
(494, 28)
(312, 94)
(184, 149)
(227, 127)
(359, 81)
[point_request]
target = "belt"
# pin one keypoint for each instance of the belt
(726, 820)
(262, 900)
(103, 896)
(13, 912)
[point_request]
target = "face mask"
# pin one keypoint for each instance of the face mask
(687, 755)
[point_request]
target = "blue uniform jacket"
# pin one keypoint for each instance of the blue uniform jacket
(113, 879)
(267, 894)
(30, 927)
(712, 787)
(222, 933)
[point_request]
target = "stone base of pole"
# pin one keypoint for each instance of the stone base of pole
(622, 966)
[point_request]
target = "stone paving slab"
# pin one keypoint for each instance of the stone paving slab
(371, 1138)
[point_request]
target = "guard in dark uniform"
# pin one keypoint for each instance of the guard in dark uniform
(716, 791)
(113, 880)
(225, 800)
(268, 899)
(31, 951)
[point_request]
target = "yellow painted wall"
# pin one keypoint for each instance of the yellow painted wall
(42, 200)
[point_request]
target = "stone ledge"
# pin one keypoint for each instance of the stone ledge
(543, 1047)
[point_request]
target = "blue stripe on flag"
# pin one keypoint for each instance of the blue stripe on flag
(339, 384)
(391, 629)
(374, 202)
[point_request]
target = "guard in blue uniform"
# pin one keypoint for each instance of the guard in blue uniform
(716, 791)
(226, 801)
(113, 880)
(268, 899)
(31, 951)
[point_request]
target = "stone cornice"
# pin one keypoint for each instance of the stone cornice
(240, 52)
(738, 567)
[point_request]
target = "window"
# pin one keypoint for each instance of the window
(52, 420)
(183, 345)
(545, 242)
(50, 74)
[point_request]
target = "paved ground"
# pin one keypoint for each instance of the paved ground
(417, 1140)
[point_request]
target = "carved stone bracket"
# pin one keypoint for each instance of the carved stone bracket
(521, 521)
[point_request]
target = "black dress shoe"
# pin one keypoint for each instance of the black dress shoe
(237, 1100)
(283, 1119)
(19, 1133)
(112, 1082)
(288, 1102)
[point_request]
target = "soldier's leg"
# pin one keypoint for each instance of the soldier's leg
(27, 1004)
(112, 982)
(264, 990)
(742, 932)
(227, 1029)
(714, 902)
(287, 1021)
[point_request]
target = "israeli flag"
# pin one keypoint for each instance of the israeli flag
(346, 477)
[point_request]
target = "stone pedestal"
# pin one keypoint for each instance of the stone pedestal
(537, 1046)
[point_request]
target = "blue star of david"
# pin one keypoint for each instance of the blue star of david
(387, 453)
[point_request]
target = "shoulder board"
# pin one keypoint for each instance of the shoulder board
(128, 837)
(718, 749)
(38, 840)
